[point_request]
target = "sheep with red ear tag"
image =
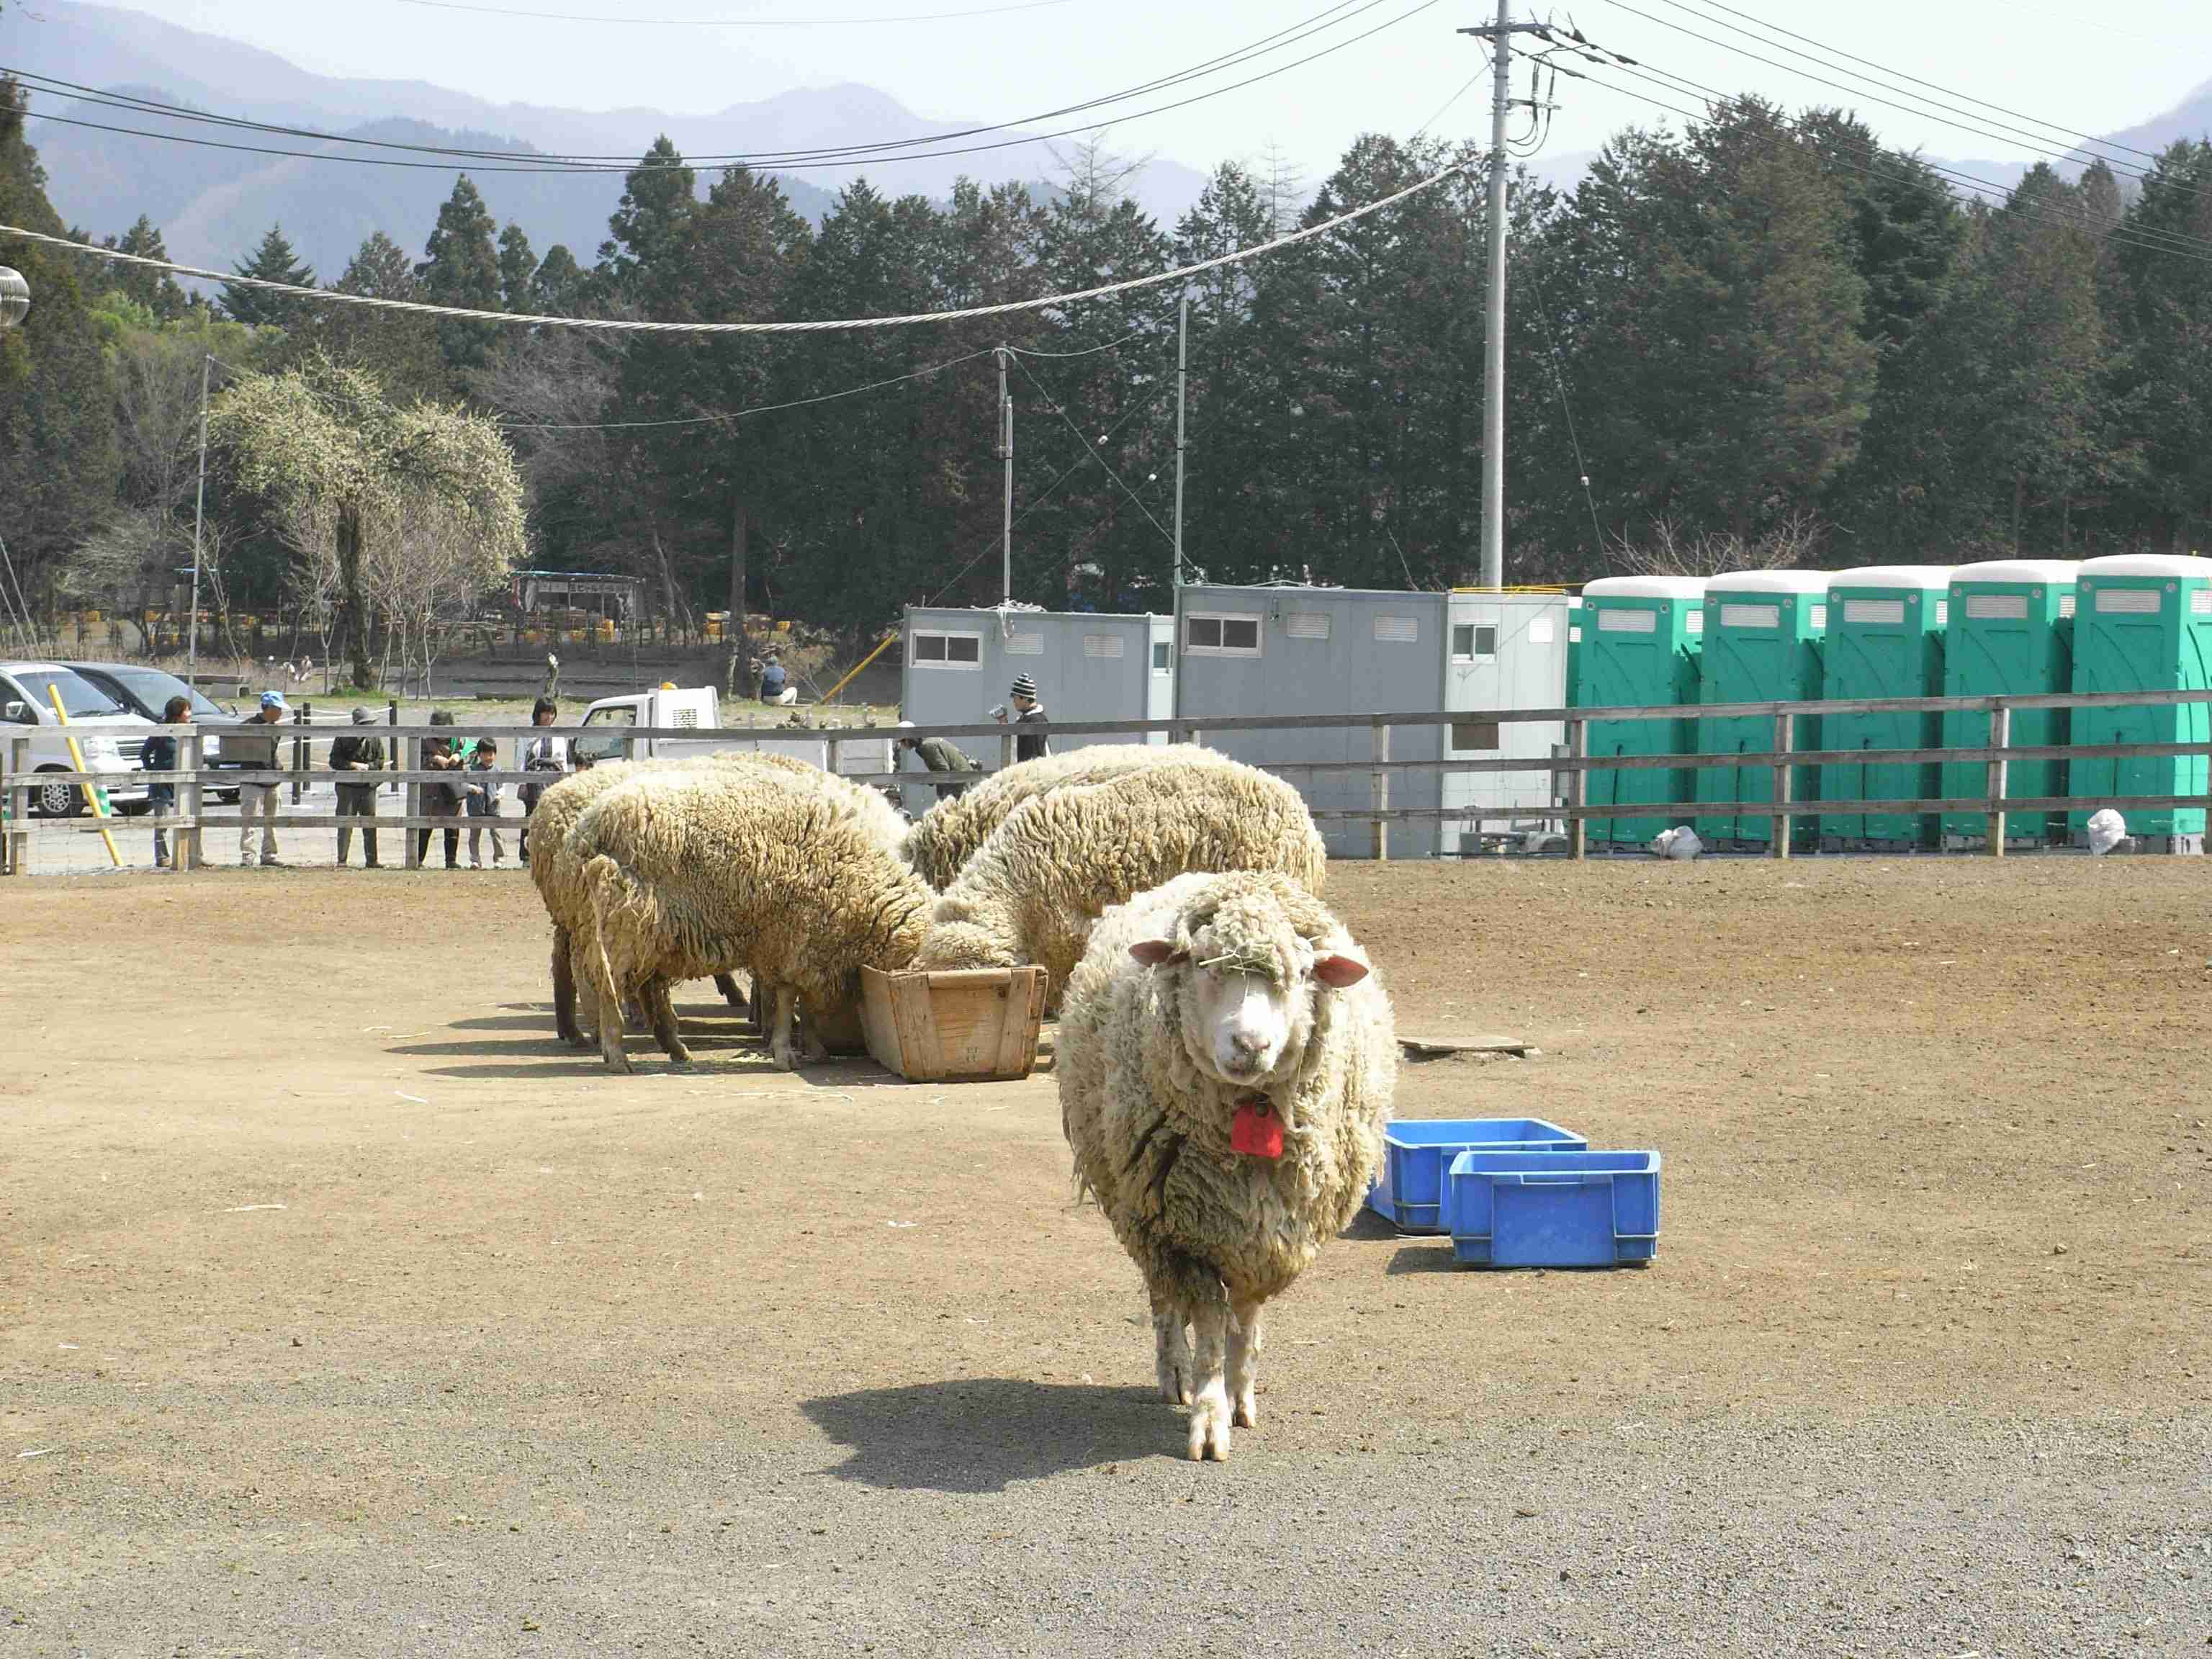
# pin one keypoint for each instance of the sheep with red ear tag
(1226, 1059)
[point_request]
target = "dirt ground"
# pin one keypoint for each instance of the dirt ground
(341, 1310)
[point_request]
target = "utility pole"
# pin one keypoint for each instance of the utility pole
(1182, 380)
(1006, 454)
(199, 505)
(1500, 37)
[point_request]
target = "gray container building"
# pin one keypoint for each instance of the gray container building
(1291, 650)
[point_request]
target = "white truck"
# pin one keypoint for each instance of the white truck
(610, 722)
(33, 741)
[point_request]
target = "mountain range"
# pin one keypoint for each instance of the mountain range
(213, 203)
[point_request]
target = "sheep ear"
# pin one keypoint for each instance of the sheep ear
(1156, 952)
(1338, 971)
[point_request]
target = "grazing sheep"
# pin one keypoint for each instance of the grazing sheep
(949, 834)
(559, 881)
(695, 872)
(1226, 1059)
(1032, 891)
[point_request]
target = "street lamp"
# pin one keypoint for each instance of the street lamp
(15, 297)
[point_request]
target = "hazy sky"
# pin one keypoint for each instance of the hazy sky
(2092, 72)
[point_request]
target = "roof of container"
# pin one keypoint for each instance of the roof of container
(2149, 564)
(1294, 590)
(1770, 581)
(1645, 588)
(2018, 570)
(1893, 575)
(1035, 615)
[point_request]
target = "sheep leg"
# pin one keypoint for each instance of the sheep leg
(728, 987)
(564, 987)
(1209, 1406)
(1244, 1342)
(780, 1043)
(654, 995)
(585, 988)
(1171, 1351)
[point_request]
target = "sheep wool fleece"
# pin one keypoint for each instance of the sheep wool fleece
(1033, 891)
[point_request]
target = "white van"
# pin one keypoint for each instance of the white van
(110, 735)
(609, 722)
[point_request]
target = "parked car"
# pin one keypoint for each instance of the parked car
(145, 690)
(107, 732)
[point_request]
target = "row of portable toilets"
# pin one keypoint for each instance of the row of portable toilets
(2131, 622)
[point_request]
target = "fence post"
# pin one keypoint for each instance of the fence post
(2000, 740)
(1380, 776)
(299, 747)
(829, 757)
(1006, 751)
(19, 804)
(185, 852)
(1577, 791)
(1785, 726)
(411, 799)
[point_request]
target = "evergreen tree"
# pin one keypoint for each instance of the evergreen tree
(461, 268)
(559, 287)
(58, 462)
(2164, 306)
(156, 291)
(660, 195)
(517, 268)
(273, 261)
(398, 348)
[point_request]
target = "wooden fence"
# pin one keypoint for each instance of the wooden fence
(1569, 769)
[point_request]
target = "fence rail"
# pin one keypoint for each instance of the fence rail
(1570, 768)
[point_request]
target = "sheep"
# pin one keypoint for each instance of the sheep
(1680, 842)
(1226, 1060)
(1046, 874)
(949, 834)
(694, 871)
(558, 881)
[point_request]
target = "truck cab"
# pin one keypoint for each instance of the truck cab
(609, 722)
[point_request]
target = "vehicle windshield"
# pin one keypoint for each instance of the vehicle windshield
(154, 688)
(80, 699)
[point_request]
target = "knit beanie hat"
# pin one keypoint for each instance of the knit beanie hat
(1023, 686)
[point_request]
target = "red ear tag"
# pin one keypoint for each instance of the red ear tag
(1255, 1130)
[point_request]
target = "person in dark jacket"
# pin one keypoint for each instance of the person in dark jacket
(548, 755)
(356, 753)
(776, 687)
(159, 755)
(939, 756)
(1027, 709)
(442, 800)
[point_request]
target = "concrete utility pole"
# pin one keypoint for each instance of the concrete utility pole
(1183, 379)
(1006, 454)
(1500, 37)
(199, 504)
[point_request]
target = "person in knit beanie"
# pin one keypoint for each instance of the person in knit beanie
(1028, 710)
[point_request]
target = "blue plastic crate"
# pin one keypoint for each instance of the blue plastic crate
(1554, 1209)
(1411, 1191)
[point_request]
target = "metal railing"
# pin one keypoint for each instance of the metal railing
(1570, 769)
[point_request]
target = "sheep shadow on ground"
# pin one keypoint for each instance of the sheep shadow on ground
(980, 1434)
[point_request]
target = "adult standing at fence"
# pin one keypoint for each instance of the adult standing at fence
(939, 756)
(439, 799)
(254, 746)
(1028, 710)
(161, 756)
(546, 754)
(357, 753)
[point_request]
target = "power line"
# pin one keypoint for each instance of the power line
(627, 326)
(1088, 445)
(741, 414)
(734, 22)
(1292, 34)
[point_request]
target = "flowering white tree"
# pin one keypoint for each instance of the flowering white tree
(422, 499)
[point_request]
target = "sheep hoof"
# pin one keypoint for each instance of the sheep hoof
(784, 1056)
(1175, 1385)
(1248, 1411)
(1209, 1426)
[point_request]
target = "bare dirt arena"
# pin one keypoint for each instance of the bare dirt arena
(343, 1312)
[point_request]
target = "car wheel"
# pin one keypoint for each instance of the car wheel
(58, 800)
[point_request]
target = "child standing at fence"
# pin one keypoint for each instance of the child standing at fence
(483, 803)
(161, 756)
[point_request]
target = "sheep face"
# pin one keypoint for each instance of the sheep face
(1247, 981)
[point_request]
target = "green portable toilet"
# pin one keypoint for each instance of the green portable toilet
(1885, 625)
(2144, 623)
(1641, 640)
(1763, 637)
(2011, 632)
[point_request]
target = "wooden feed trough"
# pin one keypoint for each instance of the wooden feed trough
(946, 1027)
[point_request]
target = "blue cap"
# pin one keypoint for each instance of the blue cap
(274, 699)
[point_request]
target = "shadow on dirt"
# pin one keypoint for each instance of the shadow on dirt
(983, 1433)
